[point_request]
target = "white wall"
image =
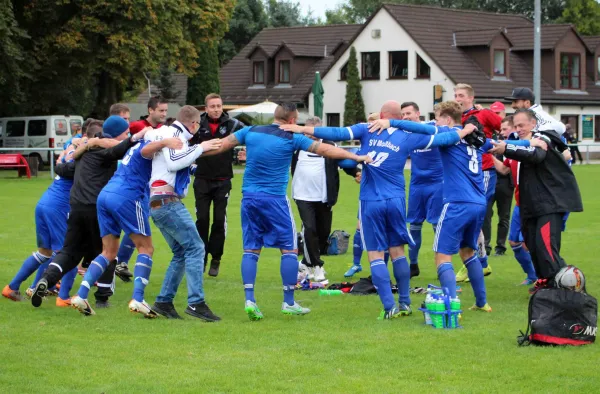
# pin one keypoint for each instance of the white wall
(375, 93)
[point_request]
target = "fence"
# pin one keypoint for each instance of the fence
(587, 150)
(24, 150)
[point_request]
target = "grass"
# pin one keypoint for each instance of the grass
(339, 347)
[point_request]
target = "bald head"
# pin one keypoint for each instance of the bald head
(391, 110)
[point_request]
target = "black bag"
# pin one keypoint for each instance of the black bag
(561, 317)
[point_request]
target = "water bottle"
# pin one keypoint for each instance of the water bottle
(454, 307)
(426, 314)
(429, 304)
(330, 292)
(440, 307)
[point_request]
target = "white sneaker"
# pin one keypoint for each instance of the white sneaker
(295, 309)
(143, 308)
(82, 306)
(319, 274)
(310, 273)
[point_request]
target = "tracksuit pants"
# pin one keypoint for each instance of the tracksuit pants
(316, 227)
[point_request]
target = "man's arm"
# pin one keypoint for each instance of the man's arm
(226, 144)
(525, 154)
(118, 151)
(153, 147)
(332, 152)
(65, 170)
(500, 167)
(413, 127)
(329, 133)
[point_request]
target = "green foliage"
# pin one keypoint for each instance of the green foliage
(206, 79)
(584, 14)
(166, 85)
(354, 106)
(248, 19)
(13, 64)
(337, 16)
(284, 13)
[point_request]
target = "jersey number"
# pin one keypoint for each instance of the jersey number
(473, 162)
(130, 153)
(377, 160)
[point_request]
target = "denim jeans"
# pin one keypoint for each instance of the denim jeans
(177, 226)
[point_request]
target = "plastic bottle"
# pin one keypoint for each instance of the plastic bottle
(454, 307)
(440, 308)
(426, 314)
(330, 292)
(429, 304)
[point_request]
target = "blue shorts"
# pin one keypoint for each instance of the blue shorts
(51, 225)
(267, 221)
(383, 224)
(458, 227)
(515, 234)
(425, 203)
(116, 213)
(489, 184)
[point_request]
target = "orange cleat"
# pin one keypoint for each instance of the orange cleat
(63, 303)
(11, 294)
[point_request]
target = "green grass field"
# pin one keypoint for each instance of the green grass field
(339, 347)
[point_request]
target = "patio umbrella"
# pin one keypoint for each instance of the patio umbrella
(318, 93)
(259, 112)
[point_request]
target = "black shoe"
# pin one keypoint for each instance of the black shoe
(499, 253)
(102, 304)
(214, 267)
(122, 271)
(166, 309)
(39, 292)
(414, 270)
(202, 311)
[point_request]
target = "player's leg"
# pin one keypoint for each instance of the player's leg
(218, 230)
(141, 273)
(252, 238)
(417, 211)
(490, 191)
(324, 221)
(474, 216)
(398, 236)
(522, 255)
(357, 249)
(446, 243)
(124, 254)
(487, 225)
(66, 284)
(547, 245)
(308, 215)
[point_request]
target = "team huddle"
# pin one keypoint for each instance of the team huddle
(91, 202)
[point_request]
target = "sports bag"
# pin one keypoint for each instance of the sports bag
(338, 243)
(561, 317)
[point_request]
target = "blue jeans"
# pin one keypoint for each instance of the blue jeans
(177, 226)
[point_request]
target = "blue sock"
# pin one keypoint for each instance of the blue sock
(66, 284)
(141, 276)
(40, 272)
(289, 276)
(93, 273)
(447, 278)
(28, 267)
(249, 268)
(475, 272)
(415, 233)
(125, 250)
(386, 258)
(483, 261)
(381, 280)
(357, 247)
(524, 258)
(402, 275)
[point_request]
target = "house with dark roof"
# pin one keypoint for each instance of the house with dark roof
(419, 53)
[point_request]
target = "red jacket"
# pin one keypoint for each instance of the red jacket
(491, 122)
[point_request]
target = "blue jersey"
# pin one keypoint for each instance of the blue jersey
(384, 177)
(133, 176)
(57, 193)
(269, 157)
(426, 167)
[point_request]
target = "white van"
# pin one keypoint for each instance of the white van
(38, 132)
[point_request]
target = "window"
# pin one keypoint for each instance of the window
(423, 69)
(499, 63)
(259, 73)
(333, 120)
(75, 126)
(284, 71)
(370, 65)
(60, 127)
(399, 65)
(344, 72)
(570, 71)
(597, 128)
(36, 128)
(573, 122)
(15, 128)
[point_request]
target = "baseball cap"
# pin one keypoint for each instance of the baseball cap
(137, 126)
(497, 107)
(521, 94)
(114, 126)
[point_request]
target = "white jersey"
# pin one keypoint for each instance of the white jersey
(171, 167)
(547, 122)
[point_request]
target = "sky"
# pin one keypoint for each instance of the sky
(318, 6)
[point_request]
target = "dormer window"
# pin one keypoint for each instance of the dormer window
(570, 71)
(259, 73)
(499, 63)
(284, 71)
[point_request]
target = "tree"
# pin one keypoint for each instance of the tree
(284, 13)
(337, 16)
(584, 14)
(248, 19)
(354, 106)
(206, 79)
(166, 85)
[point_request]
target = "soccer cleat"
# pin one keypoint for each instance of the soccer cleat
(527, 282)
(319, 274)
(214, 267)
(122, 271)
(63, 303)
(414, 270)
(295, 309)
(82, 306)
(462, 274)
(485, 308)
(253, 312)
(391, 314)
(39, 292)
(29, 292)
(353, 270)
(487, 270)
(11, 294)
(166, 309)
(201, 311)
(143, 308)
(499, 253)
(404, 309)
(53, 292)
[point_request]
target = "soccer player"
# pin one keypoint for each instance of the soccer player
(425, 193)
(122, 206)
(267, 219)
(464, 203)
(382, 194)
(465, 96)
